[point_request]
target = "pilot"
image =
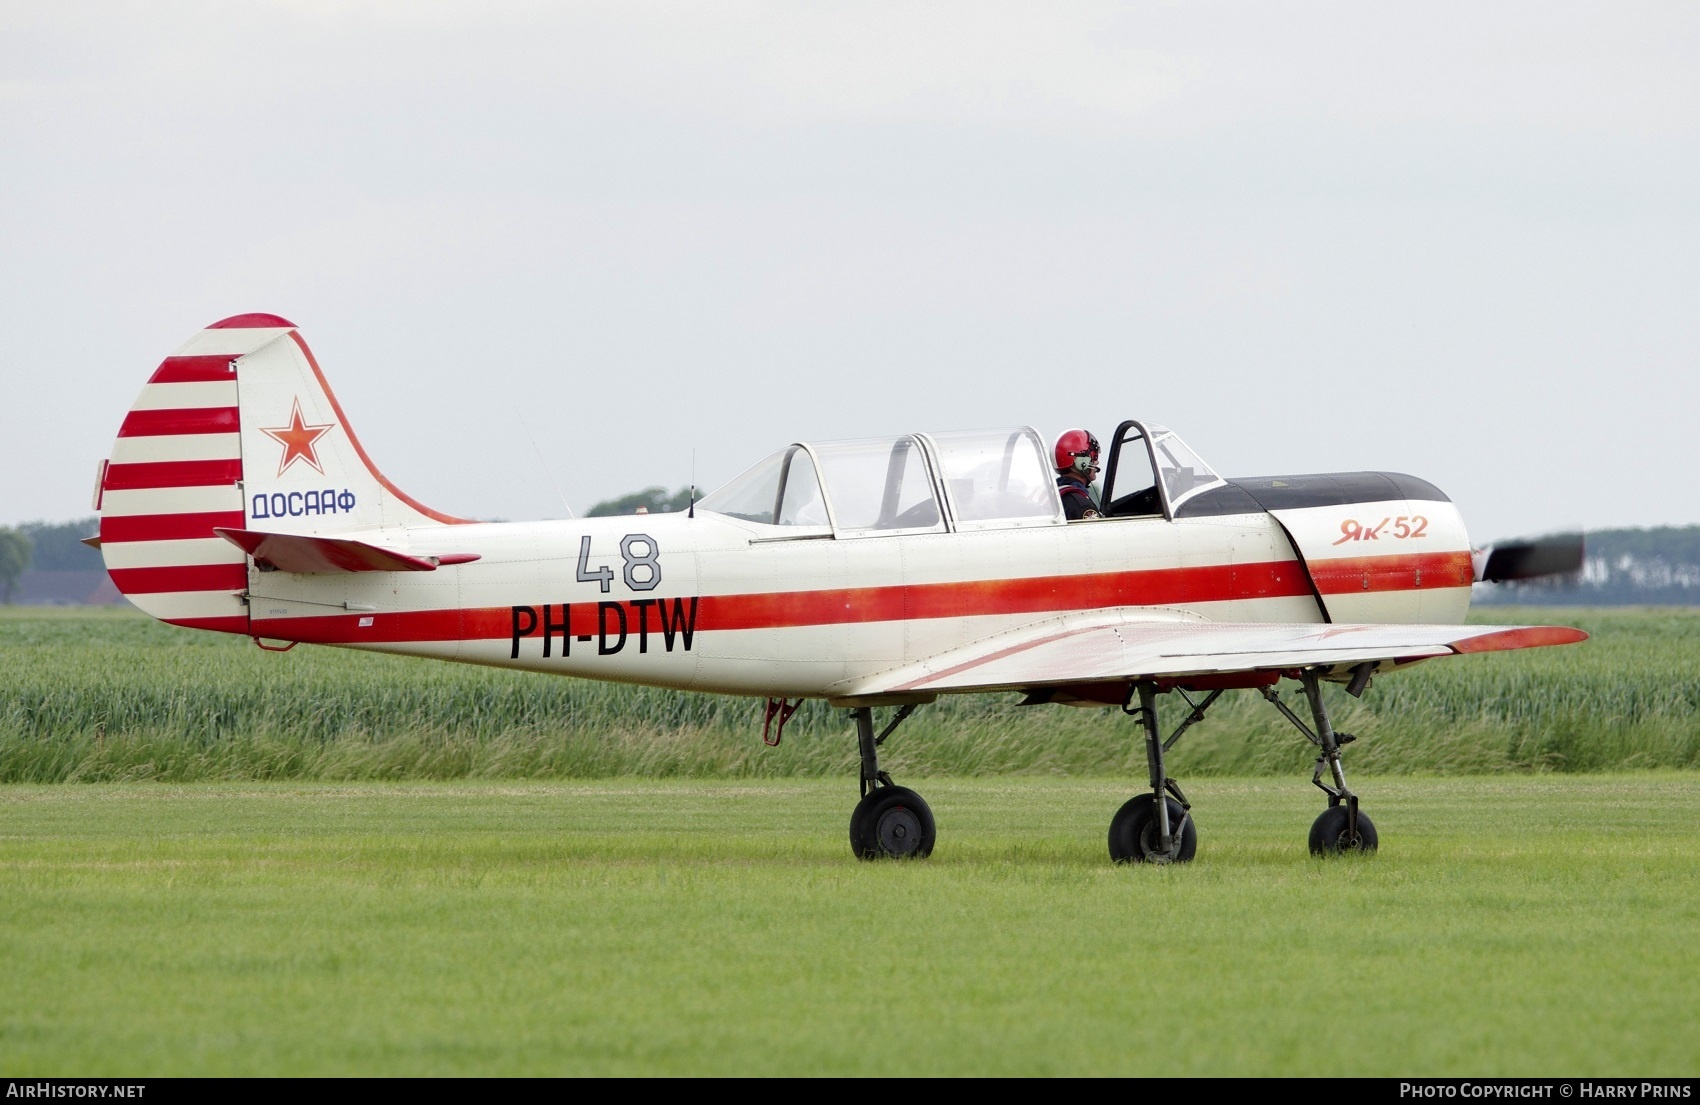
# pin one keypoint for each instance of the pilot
(1077, 467)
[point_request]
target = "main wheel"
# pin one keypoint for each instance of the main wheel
(1134, 833)
(892, 822)
(1328, 833)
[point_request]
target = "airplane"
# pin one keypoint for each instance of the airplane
(876, 574)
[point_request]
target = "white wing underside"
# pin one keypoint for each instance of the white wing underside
(1106, 646)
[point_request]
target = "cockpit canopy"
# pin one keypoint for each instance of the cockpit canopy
(913, 483)
(958, 480)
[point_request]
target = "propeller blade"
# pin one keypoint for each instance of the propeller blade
(1559, 554)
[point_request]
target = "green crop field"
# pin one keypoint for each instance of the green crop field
(103, 695)
(216, 860)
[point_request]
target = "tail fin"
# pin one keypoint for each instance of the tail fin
(237, 429)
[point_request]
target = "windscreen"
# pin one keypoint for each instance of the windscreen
(1184, 473)
(782, 489)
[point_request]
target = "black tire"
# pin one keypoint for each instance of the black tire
(1133, 833)
(892, 823)
(1328, 833)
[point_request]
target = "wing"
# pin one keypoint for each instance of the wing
(1118, 646)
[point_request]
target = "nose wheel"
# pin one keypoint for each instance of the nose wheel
(1333, 833)
(1342, 827)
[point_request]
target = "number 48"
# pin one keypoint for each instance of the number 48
(647, 566)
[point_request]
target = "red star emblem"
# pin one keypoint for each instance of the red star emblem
(298, 440)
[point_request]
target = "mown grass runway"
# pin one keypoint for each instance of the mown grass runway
(1510, 925)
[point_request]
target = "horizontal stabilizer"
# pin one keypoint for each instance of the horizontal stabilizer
(290, 552)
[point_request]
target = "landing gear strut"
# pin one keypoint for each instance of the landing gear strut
(890, 821)
(1156, 827)
(1341, 827)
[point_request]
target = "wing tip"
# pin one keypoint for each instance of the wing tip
(1522, 636)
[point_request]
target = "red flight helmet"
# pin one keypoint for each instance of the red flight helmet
(1077, 452)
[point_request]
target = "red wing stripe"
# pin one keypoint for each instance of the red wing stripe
(1532, 636)
(1408, 572)
(189, 420)
(192, 577)
(172, 473)
(167, 527)
(193, 370)
(986, 659)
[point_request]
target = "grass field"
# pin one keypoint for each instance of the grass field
(102, 695)
(1509, 926)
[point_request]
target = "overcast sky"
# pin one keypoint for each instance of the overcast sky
(1461, 241)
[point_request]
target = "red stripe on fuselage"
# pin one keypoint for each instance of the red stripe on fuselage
(172, 473)
(789, 609)
(188, 420)
(193, 370)
(167, 527)
(1155, 587)
(189, 577)
(1406, 572)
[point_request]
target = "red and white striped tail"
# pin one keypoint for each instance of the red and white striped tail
(236, 429)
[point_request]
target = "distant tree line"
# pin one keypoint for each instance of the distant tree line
(16, 552)
(652, 500)
(47, 547)
(59, 545)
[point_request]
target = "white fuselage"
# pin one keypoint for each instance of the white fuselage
(711, 603)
